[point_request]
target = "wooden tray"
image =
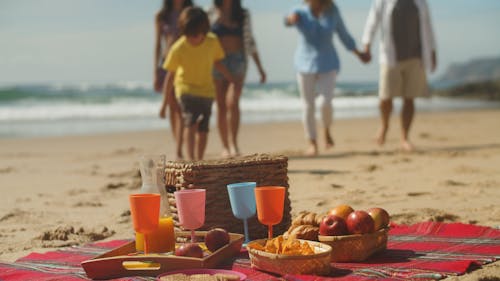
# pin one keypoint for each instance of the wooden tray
(118, 263)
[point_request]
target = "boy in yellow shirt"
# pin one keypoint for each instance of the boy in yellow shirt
(189, 68)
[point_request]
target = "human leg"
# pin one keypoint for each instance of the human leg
(326, 87)
(204, 108)
(201, 144)
(390, 86)
(190, 114)
(385, 106)
(307, 93)
(414, 85)
(407, 114)
(189, 137)
(221, 87)
(233, 105)
(175, 122)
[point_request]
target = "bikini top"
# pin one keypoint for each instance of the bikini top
(221, 30)
(169, 27)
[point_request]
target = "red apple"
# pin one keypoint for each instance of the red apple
(216, 238)
(341, 211)
(360, 222)
(380, 217)
(189, 250)
(332, 226)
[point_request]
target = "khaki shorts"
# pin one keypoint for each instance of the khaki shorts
(406, 79)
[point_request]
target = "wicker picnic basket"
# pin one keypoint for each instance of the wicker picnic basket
(214, 175)
(316, 264)
(357, 247)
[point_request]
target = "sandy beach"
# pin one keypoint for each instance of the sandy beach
(71, 190)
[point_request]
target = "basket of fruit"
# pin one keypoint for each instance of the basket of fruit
(353, 235)
(290, 256)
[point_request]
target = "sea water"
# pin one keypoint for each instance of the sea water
(84, 108)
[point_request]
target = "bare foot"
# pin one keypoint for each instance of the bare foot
(312, 150)
(407, 146)
(380, 139)
(235, 151)
(179, 157)
(225, 153)
(329, 143)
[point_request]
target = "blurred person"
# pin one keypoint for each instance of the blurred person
(232, 26)
(189, 66)
(407, 49)
(166, 33)
(317, 63)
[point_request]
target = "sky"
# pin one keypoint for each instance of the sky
(107, 41)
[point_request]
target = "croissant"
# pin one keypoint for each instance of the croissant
(307, 232)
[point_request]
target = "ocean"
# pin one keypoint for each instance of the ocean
(81, 109)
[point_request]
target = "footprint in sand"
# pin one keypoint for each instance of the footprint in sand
(6, 170)
(466, 170)
(424, 135)
(114, 185)
(126, 151)
(321, 203)
(64, 236)
(23, 200)
(425, 214)
(401, 160)
(88, 204)
(124, 217)
(416, 194)
(371, 168)
(453, 183)
(76, 191)
(14, 214)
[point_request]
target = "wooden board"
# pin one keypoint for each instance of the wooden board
(119, 262)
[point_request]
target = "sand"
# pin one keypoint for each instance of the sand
(71, 190)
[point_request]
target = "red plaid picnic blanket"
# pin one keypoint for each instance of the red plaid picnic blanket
(424, 251)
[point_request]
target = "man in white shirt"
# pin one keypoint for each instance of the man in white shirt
(407, 48)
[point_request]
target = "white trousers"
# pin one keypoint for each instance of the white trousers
(310, 86)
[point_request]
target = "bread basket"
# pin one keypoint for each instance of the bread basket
(357, 247)
(316, 264)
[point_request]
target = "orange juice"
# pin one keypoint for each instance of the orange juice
(161, 240)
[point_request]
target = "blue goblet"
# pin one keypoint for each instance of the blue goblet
(242, 198)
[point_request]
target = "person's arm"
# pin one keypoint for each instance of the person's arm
(224, 71)
(262, 73)
(251, 46)
(168, 89)
(432, 38)
(157, 53)
(372, 23)
(346, 38)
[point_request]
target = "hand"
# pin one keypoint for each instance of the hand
(293, 19)
(163, 112)
(365, 57)
(157, 86)
(263, 77)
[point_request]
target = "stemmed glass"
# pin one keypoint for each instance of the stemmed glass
(191, 208)
(270, 202)
(145, 212)
(242, 198)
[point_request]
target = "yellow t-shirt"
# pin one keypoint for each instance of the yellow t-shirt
(193, 66)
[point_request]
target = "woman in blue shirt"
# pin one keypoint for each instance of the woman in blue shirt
(317, 62)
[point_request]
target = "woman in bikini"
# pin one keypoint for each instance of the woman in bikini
(233, 27)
